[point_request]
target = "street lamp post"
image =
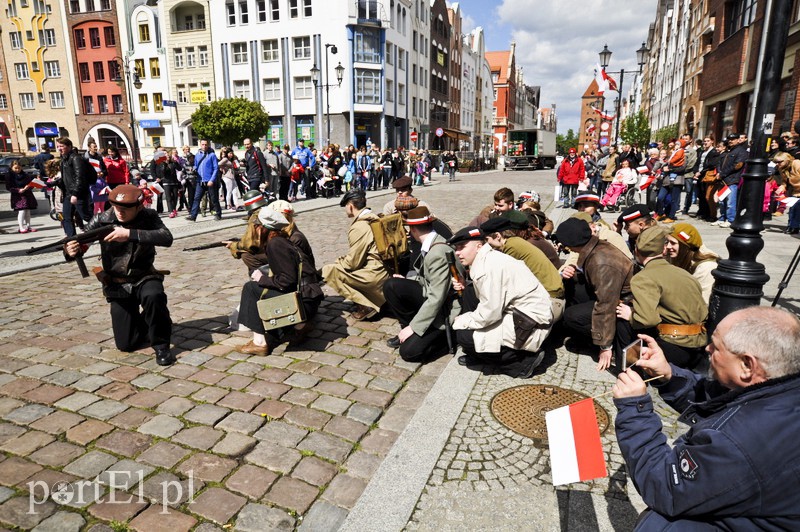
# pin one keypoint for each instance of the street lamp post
(605, 59)
(315, 77)
(131, 77)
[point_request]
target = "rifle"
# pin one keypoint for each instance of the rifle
(87, 237)
(212, 245)
(448, 327)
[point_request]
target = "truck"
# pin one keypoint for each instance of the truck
(530, 149)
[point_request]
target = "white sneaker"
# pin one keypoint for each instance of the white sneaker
(716, 224)
(724, 224)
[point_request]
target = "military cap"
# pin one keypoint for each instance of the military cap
(498, 224)
(687, 234)
(518, 219)
(352, 194)
(587, 198)
(466, 234)
(418, 216)
(282, 206)
(651, 241)
(126, 196)
(402, 182)
(632, 213)
(585, 216)
(253, 199)
(272, 220)
(573, 232)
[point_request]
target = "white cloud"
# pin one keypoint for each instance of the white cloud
(558, 43)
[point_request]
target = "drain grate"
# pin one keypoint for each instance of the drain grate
(522, 408)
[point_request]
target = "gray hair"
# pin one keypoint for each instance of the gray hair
(653, 152)
(754, 333)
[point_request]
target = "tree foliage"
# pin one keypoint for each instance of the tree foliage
(666, 133)
(636, 130)
(564, 143)
(230, 120)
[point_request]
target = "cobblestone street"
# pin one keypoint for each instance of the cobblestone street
(288, 441)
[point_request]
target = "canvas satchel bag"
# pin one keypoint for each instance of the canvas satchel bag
(284, 310)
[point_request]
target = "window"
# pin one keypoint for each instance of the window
(244, 17)
(206, 87)
(50, 37)
(83, 68)
(110, 38)
(303, 88)
(191, 60)
(80, 39)
(230, 10)
(144, 106)
(89, 5)
(367, 46)
(74, 6)
(389, 90)
(368, 9)
(52, 69)
(116, 101)
(114, 71)
(144, 33)
(306, 8)
(202, 52)
(389, 53)
(293, 10)
(57, 100)
(401, 59)
(738, 14)
(414, 74)
(239, 53)
(3, 101)
(155, 68)
(302, 47)
(16, 40)
(138, 66)
(158, 102)
(368, 86)
(414, 106)
(188, 23)
(99, 71)
(200, 19)
(102, 104)
(261, 10)
(94, 37)
(241, 89)
(414, 40)
(269, 50)
(272, 89)
(105, 5)
(26, 100)
(401, 94)
(21, 69)
(181, 90)
(178, 54)
(274, 11)
(88, 105)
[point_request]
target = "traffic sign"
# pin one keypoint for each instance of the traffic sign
(169, 103)
(413, 136)
(439, 132)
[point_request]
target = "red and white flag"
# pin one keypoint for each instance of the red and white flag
(576, 453)
(612, 84)
(722, 194)
(603, 115)
(37, 183)
(155, 188)
(600, 79)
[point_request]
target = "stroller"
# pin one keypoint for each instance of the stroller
(326, 183)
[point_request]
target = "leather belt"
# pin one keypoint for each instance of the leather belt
(670, 329)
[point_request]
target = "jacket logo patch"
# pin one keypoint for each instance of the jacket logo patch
(688, 465)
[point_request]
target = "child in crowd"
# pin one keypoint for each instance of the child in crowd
(19, 185)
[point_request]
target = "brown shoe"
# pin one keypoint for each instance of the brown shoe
(252, 349)
(300, 332)
(668, 221)
(363, 313)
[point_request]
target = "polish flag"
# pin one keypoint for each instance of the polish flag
(37, 183)
(722, 193)
(600, 78)
(612, 84)
(576, 454)
(155, 188)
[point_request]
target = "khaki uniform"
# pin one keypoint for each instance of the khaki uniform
(538, 263)
(359, 275)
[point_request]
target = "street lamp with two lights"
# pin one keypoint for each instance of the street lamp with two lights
(315, 77)
(605, 59)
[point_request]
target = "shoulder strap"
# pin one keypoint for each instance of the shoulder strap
(299, 270)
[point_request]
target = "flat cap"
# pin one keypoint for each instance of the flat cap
(402, 182)
(573, 232)
(351, 194)
(126, 196)
(272, 220)
(466, 234)
(405, 203)
(651, 241)
(282, 206)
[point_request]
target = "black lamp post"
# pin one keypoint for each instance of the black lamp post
(605, 59)
(315, 77)
(131, 77)
(739, 279)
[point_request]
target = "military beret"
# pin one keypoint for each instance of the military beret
(573, 232)
(687, 234)
(126, 196)
(517, 218)
(634, 212)
(466, 234)
(651, 241)
(272, 220)
(497, 224)
(352, 194)
(402, 182)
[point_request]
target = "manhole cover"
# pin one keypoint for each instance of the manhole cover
(522, 408)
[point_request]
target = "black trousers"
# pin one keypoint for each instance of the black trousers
(252, 292)
(684, 357)
(134, 328)
(404, 298)
(171, 193)
(283, 188)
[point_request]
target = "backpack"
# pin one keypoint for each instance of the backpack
(390, 236)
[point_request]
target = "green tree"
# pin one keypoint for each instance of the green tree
(230, 120)
(636, 130)
(564, 143)
(666, 133)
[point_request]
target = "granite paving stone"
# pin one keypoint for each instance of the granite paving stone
(125, 373)
(7, 404)
(239, 401)
(251, 481)
(37, 371)
(157, 518)
(77, 401)
(299, 380)
(115, 506)
(9, 431)
(25, 444)
(206, 414)
(326, 446)
(103, 410)
(16, 512)
(234, 444)
(338, 389)
(28, 413)
(208, 376)
(207, 467)
(305, 417)
(259, 517)
(344, 490)
(241, 422)
(131, 418)
(179, 387)
(245, 368)
(270, 390)
(323, 516)
(195, 358)
(273, 457)
(217, 505)
(57, 422)
(209, 394)
(292, 494)
(91, 383)
(365, 414)
(64, 377)
(5, 494)
(91, 464)
(99, 368)
(299, 396)
(125, 474)
(149, 381)
(379, 441)
(88, 431)
(116, 390)
(331, 405)
(164, 454)
(271, 409)
(202, 438)
(162, 426)
(362, 464)
(165, 489)
(14, 470)
(314, 471)
(281, 433)
(57, 454)
(346, 428)
(124, 442)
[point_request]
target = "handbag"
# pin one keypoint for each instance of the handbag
(710, 176)
(283, 310)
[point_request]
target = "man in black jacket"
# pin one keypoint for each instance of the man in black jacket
(730, 172)
(128, 276)
(255, 166)
(76, 176)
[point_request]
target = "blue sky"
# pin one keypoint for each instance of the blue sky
(558, 42)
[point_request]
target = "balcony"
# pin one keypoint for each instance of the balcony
(370, 13)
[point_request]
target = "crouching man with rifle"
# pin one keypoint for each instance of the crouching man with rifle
(129, 279)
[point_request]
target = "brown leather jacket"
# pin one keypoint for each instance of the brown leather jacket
(608, 275)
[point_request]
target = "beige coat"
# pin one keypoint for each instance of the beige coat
(359, 275)
(503, 283)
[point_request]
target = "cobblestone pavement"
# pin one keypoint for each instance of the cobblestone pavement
(260, 443)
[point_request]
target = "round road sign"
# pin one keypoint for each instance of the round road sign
(439, 132)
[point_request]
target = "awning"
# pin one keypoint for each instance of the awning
(457, 135)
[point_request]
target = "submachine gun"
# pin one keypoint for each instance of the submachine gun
(87, 237)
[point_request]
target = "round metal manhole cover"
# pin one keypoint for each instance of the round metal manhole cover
(522, 408)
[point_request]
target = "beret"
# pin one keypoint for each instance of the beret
(402, 182)
(126, 196)
(688, 234)
(573, 232)
(518, 219)
(496, 225)
(466, 234)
